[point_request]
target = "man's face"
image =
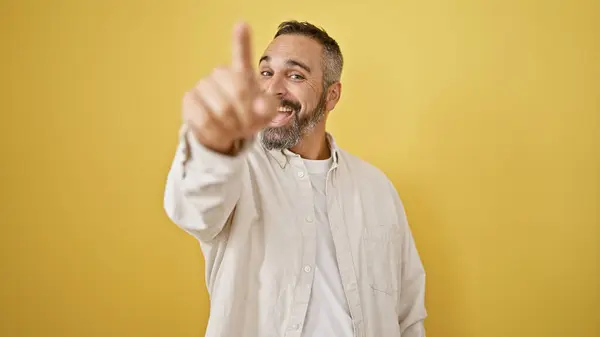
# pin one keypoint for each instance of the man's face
(291, 70)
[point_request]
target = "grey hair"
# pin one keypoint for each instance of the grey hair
(332, 62)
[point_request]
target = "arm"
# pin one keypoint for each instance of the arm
(224, 109)
(411, 301)
(203, 187)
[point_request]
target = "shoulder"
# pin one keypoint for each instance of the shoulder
(362, 169)
(377, 191)
(371, 180)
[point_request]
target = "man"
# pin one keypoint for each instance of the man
(300, 237)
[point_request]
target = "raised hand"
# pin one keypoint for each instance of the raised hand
(228, 106)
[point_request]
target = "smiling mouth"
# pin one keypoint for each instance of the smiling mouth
(285, 109)
(284, 114)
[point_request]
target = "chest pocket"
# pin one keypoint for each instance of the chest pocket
(380, 242)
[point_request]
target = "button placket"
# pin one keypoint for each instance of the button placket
(309, 237)
(344, 258)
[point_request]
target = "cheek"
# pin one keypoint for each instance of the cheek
(310, 103)
(305, 99)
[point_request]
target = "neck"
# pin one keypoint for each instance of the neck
(314, 145)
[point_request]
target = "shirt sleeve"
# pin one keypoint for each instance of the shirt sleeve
(411, 301)
(203, 186)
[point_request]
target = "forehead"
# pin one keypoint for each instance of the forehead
(295, 47)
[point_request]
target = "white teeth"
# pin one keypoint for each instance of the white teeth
(284, 110)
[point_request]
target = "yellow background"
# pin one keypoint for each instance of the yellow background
(484, 113)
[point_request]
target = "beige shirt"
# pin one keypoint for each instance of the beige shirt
(253, 215)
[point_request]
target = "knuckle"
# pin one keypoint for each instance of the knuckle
(187, 98)
(189, 102)
(193, 107)
(198, 119)
(202, 85)
(221, 109)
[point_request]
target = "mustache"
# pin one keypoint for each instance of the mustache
(290, 104)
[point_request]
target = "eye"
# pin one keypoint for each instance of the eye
(265, 73)
(297, 77)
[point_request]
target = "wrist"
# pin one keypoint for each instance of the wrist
(225, 147)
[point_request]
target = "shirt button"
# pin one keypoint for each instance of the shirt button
(307, 269)
(309, 219)
(301, 174)
(295, 327)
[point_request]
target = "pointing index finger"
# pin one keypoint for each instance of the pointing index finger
(241, 58)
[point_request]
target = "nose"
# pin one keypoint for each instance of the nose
(275, 86)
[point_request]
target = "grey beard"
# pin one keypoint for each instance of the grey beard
(285, 137)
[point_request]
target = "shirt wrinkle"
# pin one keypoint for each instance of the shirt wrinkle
(254, 217)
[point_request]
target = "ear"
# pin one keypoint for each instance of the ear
(334, 92)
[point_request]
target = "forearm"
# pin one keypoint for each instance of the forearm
(415, 330)
(412, 311)
(411, 300)
(202, 188)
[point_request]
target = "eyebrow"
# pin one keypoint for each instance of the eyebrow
(289, 63)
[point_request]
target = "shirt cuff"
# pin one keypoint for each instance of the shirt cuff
(199, 157)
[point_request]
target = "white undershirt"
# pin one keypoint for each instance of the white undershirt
(328, 314)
